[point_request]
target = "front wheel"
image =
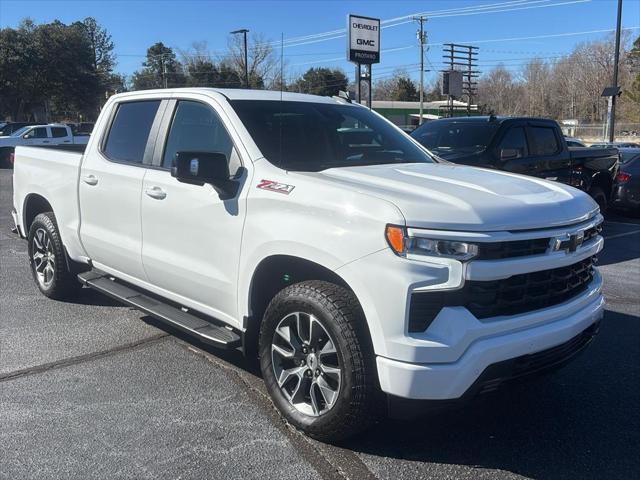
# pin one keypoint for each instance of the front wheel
(316, 360)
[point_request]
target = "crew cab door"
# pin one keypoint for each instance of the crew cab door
(61, 135)
(111, 185)
(545, 156)
(191, 238)
(37, 136)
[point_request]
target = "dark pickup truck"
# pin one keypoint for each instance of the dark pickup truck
(530, 146)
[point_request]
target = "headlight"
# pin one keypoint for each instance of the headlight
(402, 244)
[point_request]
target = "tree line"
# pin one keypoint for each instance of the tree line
(55, 71)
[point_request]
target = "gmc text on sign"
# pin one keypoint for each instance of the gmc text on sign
(364, 39)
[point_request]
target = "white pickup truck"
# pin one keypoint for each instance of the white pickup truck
(35, 135)
(314, 234)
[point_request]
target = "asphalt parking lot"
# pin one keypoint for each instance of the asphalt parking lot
(92, 389)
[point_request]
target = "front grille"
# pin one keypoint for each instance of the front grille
(592, 232)
(510, 296)
(517, 248)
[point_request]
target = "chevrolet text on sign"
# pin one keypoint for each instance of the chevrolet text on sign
(364, 39)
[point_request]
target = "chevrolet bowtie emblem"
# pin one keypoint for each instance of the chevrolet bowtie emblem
(567, 242)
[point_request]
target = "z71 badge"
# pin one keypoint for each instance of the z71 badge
(275, 186)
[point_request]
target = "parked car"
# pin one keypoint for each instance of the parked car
(310, 232)
(530, 146)
(574, 142)
(626, 192)
(9, 127)
(53, 134)
(615, 145)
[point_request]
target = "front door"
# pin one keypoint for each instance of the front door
(110, 190)
(191, 238)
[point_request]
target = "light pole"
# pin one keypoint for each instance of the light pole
(244, 32)
(612, 113)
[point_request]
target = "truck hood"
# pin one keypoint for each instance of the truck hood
(456, 197)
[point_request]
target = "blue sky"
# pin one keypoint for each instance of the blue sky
(503, 29)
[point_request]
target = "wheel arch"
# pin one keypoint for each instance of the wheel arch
(34, 204)
(272, 274)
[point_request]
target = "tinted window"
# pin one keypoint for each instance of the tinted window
(196, 128)
(57, 132)
(515, 139)
(544, 141)
(463, 137)
(37, 133)
(315, 136)
(130, 130)
(627, 157)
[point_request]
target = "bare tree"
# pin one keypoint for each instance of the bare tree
(264, 65)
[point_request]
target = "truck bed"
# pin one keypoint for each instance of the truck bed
(78, 148)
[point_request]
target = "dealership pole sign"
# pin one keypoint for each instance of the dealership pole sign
(363, 46)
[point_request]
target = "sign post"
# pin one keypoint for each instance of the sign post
(363, 48)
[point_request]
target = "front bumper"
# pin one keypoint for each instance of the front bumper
(546, 329)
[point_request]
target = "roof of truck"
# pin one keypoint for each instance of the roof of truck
(242, 94)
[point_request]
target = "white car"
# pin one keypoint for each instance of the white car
(39, 135)
(313, 233)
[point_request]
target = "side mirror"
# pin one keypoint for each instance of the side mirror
(199, 168)
(509, 153)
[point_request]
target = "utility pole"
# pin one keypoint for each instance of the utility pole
(612, 113)
(164, 71)
(244, 32)
(422, 38)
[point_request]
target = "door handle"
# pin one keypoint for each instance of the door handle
(156, 192)
(45, 141)
(90, 179)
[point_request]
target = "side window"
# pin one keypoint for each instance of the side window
(544, 141)
(58, 132)
(515, 139)
(129, 131)
(37, 133)
(197, 128)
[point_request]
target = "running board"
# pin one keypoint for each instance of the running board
(205, 331)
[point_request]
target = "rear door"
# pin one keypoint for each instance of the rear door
(60, 135)
(191, 238)
(111, 185)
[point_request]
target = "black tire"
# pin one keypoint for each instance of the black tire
(338, 310)
(61, 283)
(600, 197)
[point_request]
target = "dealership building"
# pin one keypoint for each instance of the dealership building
(408, 113)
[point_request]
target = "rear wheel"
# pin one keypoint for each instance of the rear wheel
(316, 360)
(47, 258)
(600, 197)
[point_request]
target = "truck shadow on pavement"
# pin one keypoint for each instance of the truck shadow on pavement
(582, 421)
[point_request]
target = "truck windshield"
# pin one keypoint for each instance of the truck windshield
(309, 136)
(20, 131)
(464, 137)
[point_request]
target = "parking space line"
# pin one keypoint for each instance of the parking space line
(613, 222)
(66, 362)
(618, 235)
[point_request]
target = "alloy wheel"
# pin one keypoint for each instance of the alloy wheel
(306, 364)
(44, 259)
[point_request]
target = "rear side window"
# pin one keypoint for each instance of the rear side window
(129, 131)
(197, 128)
(515, 139)
(544, 141)
(57, 132)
